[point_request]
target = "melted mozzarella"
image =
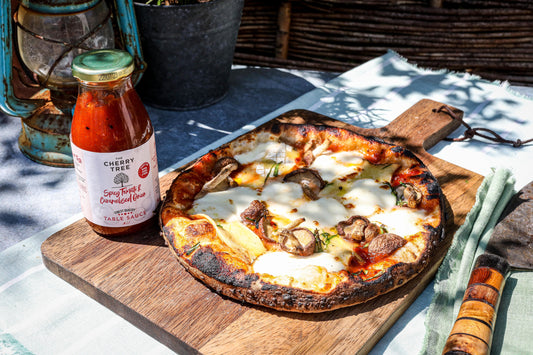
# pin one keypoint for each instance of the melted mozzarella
(300, 267)
(273, 151)
(225, 205)
(323, 213)
(337, 165)
(282, 197)
(266, 160)
(286, 200)
(401, 220)
(367, 197)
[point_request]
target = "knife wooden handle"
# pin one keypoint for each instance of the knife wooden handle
(472, 331)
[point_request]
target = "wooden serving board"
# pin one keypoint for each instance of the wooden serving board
(138, 277)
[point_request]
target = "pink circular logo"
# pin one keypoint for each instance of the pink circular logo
(144, 170)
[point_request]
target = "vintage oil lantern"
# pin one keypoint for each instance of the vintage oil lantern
(49, 34)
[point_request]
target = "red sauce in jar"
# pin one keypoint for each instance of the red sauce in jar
(109, 117)
(103, 122)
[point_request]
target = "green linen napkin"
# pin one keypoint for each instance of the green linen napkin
(469, 241)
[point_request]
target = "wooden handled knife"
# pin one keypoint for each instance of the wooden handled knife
(510, 246)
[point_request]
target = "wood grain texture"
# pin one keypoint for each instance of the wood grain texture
(138, 277)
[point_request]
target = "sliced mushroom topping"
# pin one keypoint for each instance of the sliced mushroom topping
(321, 148)
(298, 241)
(256, 216)
(308, 156)
(221, 181)
(309, 180)
(353, 228)
(409, 193)
(224, 162)
(371, 231)
(310, 153)
(357, 228)
(253, 213)
(385, 244)
(264, 230)
(295, 223)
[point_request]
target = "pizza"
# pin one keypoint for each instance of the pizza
(304, 217)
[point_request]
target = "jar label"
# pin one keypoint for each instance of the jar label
(118, 189)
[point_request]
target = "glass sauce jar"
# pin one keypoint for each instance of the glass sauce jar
(113, 145)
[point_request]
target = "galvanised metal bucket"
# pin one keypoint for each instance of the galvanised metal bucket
(189, 52)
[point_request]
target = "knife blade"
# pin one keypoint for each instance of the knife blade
(510, 246)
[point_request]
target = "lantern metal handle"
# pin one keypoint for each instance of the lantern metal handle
(9, 103)
(127, 24)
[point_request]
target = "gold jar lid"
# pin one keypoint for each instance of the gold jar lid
(102, 65)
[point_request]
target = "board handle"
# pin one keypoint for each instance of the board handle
(473, 328)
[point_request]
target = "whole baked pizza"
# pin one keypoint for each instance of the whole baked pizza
(304, 217)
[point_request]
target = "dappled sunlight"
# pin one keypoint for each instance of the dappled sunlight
(375, 93)
(253, 93)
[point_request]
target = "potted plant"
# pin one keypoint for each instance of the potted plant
(188, 46)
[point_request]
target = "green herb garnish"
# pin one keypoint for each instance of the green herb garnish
(322, 240)
(399, 201)
(381, 272)
(327, 237)
(274, 169)
(193, 248)
(382, 228)
(255, 222)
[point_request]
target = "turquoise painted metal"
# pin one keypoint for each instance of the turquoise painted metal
(59, 6)
(45, 130)
(130, 35)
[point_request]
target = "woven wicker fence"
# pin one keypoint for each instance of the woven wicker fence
(493, 39)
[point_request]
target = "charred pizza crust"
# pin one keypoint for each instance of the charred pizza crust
(194, 240)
